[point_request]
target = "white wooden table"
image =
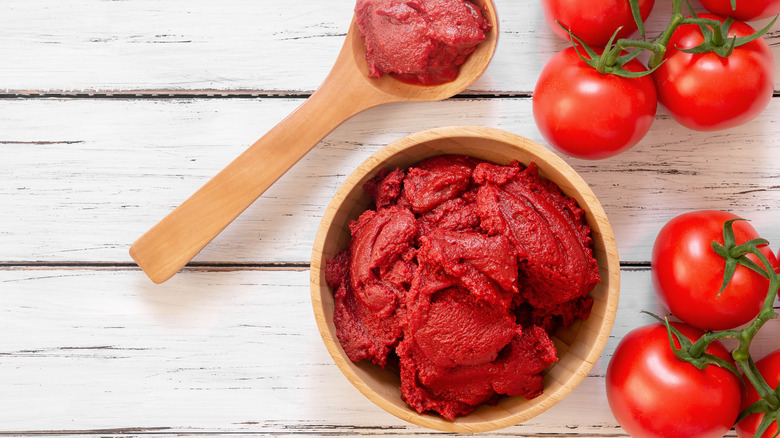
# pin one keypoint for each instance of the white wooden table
(113, 112)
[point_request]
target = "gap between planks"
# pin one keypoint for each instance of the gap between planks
(130, 266)
(320, 431)
(221, 94)
(200, 266)
(210, 94)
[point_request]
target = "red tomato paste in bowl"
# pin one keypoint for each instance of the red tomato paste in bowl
(420, 41)
(458, 275)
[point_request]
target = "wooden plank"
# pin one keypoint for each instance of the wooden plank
(244, 46)
(84, 178)
(216, 352)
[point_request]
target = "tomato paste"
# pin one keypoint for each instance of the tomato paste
(425, 40)
(457, 275)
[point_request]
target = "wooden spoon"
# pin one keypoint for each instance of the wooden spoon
(347, 90)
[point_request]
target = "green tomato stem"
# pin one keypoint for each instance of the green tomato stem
(700, 346)
(767, 312)
(766, 392)
(741, 354)
(746, 335)
(663, 40)
(625, 43)
(714, 25)
(677, 7)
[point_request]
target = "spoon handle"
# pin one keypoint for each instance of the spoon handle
(169, 245)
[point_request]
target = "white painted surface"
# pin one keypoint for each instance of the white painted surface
(89, 346)
(86, 177)
(97, 46)
(234, 351)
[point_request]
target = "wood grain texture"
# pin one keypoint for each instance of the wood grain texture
(87, 177)
(348, 90)
(206, 352)
(113, 112)
(245, 46)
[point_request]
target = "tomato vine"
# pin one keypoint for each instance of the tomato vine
(694, 352)
(684, 72)
(714, 31)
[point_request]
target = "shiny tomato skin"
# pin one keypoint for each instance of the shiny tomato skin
(687, 274)
(590, 115)
(653, 394)
(769, 367)
(594, 21)
(747, 10)
(705, 92)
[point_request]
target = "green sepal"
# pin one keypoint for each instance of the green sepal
(735, 254)
(766, 422)
(683, 353)
(725, 47)
(758, 407)
(749, 247)
(640, 25)
(731, 265)
(769, 417)
(608, 62)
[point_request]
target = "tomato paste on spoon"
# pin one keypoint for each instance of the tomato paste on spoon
(420, 41)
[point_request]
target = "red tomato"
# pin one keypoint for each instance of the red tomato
(747, 10)
(594, 21)
(587, 114)
(705, 92)
(652, 393)
(687, 274)
(769, 367)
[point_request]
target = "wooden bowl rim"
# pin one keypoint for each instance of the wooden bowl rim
(573, 365)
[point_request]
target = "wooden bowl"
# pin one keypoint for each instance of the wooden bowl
(579, 346)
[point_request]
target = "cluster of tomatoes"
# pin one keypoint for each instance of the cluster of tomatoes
(651, 390)
(711, 270)
(587, 113)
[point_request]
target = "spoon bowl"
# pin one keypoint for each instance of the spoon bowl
(347, 90)
(470, 71)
